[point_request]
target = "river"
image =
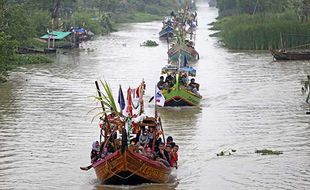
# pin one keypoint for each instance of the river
(249, 102)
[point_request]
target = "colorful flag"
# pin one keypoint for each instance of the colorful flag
(129, 103)
(159, 98)
(121, 99)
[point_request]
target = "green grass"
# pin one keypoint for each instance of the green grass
(18, 60)
(261, 32)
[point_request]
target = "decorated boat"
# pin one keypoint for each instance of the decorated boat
(185, 50)
(179, 95)
(126, 166)
(122, 157)
(178, 91)
(184, 44)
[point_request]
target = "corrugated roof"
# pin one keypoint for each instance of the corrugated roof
(57, 35)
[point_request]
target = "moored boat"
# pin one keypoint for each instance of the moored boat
(290, 54)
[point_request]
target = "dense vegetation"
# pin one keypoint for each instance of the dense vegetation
(263, 24)
(23, 20)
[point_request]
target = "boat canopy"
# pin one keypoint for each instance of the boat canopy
(57, 35)
(173, 69)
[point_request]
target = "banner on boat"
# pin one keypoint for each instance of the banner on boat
(159, 98)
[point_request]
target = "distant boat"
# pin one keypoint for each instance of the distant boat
(189, 51)
(167, 31)
(290, 54)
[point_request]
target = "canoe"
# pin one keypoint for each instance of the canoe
(130, 168)
(291, 55)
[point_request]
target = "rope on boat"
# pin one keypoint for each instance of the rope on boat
(133, 173)
(176, 100)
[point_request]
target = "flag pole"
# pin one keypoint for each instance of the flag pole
(155, 103)
(120, 100)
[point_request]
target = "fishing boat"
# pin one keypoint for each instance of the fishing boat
(180, 94)
(120, 160)
(290, 54)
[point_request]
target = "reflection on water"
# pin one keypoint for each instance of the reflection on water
(249, 102)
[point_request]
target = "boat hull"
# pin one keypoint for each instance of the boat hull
(181, 97)
(190, 55)
(167, 31)
(130, 168)
(290, 55)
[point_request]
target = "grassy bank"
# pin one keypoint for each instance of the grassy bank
(262, 31)
(31, 19)
(19, 60)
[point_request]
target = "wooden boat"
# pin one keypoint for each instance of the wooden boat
(167, 31)
(189, 51)
(291, 54)
(180, 95)
(127, 164)
(130, 168)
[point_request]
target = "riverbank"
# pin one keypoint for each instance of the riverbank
(262, 31)
(19, 60)
(90, 17)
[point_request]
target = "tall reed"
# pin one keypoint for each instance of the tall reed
(263, 31)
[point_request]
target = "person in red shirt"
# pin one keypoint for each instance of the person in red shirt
(174, 156)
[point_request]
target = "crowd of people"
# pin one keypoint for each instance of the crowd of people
(147, 142)
(165, 154)
(183, 80)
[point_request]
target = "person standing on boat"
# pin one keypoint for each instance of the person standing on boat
(94, 154)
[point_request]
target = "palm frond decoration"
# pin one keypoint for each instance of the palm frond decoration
(107, 98)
